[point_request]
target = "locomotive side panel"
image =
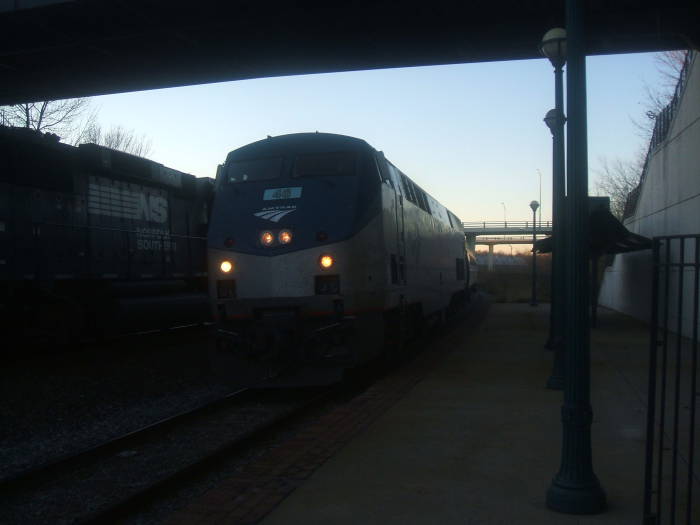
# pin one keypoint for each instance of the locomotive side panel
(84, 227)
(433, 249)
(429, 268)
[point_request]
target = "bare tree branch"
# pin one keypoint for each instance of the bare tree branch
(55, 116)
(668, 65)
(116, 137)
(616, 180)
(74, 120)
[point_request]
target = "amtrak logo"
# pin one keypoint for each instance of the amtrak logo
(276, 213)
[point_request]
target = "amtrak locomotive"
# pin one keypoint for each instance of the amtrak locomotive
(322, 251)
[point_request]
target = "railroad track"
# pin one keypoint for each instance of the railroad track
(129, 505)
(39, 473)
(100, 484)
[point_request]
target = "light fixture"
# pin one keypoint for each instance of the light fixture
(226, 266)
(285, 237)
(553, 46)
(266, 238)
(326, 261)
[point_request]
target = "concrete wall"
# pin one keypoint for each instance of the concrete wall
(669, 204)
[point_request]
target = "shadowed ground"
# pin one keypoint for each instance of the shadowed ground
(478, 440)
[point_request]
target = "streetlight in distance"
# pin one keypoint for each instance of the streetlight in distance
(539, 173)
(505, 221)
(534, 205)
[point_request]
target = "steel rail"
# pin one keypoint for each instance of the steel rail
(132, 503)
(38, 474)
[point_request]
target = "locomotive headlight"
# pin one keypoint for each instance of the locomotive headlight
(285, 237)
(266, 238)
(326, 261)
(226, 266)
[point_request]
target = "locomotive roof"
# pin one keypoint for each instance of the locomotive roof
(295, 142)
(99, 159)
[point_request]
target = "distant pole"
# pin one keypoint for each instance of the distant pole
(575, 489)
(540, 177)
(505, 221)
(534, 205)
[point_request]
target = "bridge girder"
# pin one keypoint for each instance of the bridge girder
(82, 47)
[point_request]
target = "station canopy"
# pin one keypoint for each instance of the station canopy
(607, 234)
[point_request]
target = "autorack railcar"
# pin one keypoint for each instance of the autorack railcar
(96, 241)
(322, 251)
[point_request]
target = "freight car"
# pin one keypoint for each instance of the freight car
(321, 251)
(97, 241)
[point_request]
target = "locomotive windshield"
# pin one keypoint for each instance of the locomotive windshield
(311, 185)
(325, 164)
(254, 170)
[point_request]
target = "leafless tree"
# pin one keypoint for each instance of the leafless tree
(55, 116)
(616, 180)
(115, 137)
(668, 65)
(76, 122)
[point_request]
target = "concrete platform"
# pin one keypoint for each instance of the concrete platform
(477, 441)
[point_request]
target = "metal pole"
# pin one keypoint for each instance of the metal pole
(594, 292)
(649, 517)
(540, 201)
(534, 259)
(575, 489)
(556, 319)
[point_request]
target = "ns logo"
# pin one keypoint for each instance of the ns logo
(152, 208)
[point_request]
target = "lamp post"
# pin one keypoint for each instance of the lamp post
(505, 221)
(533, 206)
(553, 46)
(539, 175)
(575, 488)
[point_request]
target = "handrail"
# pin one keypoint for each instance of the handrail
(483, 225)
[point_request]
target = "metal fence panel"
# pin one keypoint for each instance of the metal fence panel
(671, 469)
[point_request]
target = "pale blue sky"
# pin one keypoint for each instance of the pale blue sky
(471, 135)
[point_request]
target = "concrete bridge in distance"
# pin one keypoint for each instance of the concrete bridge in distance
(491, 233)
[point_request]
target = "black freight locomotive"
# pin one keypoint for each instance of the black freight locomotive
(97, 241)
(322, 251)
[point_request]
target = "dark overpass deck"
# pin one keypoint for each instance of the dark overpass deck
(76, 48)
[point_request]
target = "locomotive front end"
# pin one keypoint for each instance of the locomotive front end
(286, 280)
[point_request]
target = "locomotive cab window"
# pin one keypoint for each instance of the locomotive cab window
(407, 188)
(325, 164)
(254, 170)
(422, 200)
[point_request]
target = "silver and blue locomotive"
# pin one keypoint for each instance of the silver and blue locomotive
(322, 251)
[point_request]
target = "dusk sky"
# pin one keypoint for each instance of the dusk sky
(471, 135)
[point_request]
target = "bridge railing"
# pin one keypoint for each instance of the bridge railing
(484, 225)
